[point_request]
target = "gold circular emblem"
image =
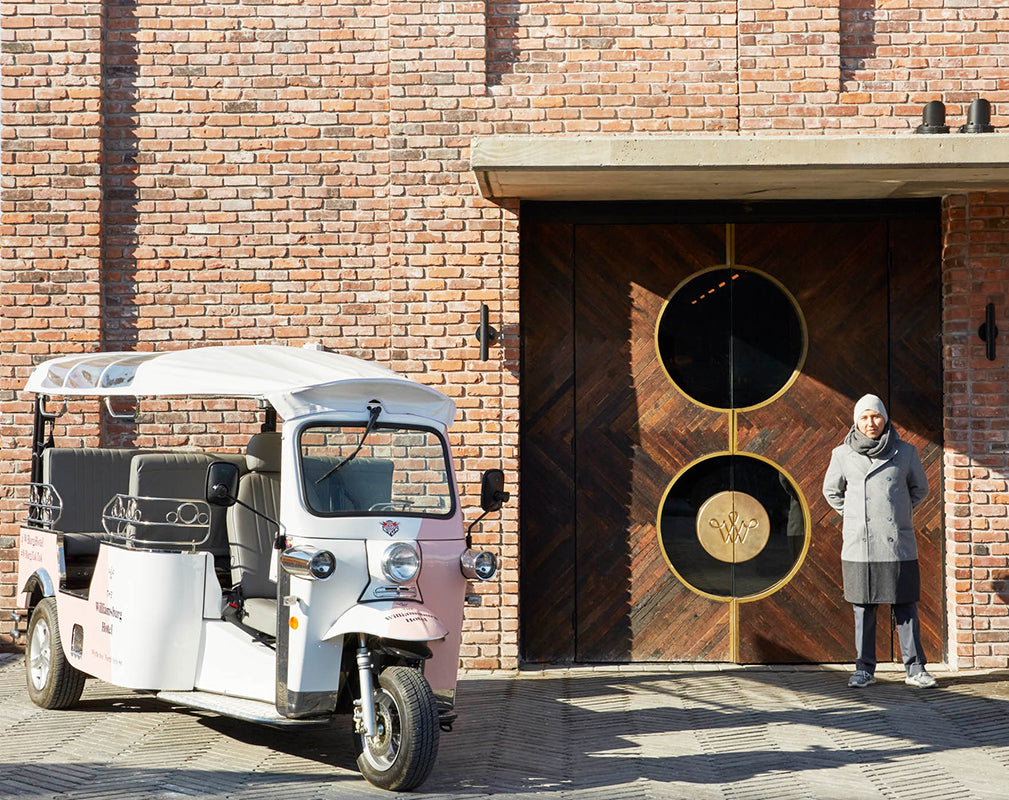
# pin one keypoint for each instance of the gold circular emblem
(732, 526)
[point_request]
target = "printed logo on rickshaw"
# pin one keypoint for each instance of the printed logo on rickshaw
(390, 527)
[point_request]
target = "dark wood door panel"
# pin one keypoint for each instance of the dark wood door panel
(634, 431)
(915, 400)
(547, 568)
(604, 431)
(846, 357)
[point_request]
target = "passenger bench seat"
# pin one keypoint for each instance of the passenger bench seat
(85, 478)
(182, 476)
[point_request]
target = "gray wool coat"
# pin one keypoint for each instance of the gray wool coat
(879, 555)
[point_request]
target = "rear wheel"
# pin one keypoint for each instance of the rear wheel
(52, 681)
(400, 755)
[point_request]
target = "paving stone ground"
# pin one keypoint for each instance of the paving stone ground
(611, 734)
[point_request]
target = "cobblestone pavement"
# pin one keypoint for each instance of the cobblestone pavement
(557, 734)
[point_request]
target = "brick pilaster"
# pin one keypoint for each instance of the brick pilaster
(976, 272)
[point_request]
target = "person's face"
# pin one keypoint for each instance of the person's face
(871, 423)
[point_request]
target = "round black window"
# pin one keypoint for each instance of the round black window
(731, 338)
(732, 525)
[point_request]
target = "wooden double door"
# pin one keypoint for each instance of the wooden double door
(686, 369)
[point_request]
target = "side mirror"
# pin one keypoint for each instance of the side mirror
(222, 483)
(492, 493)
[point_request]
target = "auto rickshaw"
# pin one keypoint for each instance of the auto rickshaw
(322, 571)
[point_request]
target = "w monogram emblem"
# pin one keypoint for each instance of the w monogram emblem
(733, 526)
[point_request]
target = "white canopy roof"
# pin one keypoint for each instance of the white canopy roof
(296, 381)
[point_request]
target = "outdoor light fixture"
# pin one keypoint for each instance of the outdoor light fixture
(933, 118)
(485, 334)
(988, 332)
(978, 117)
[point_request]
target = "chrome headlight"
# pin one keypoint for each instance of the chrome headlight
(400, 563)
(312, 564)
(480, 564)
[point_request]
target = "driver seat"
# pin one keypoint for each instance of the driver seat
(251, 538)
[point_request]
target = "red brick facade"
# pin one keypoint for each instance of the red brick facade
(200, 172)
(976, 272)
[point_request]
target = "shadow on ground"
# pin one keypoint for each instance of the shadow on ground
(560, 733)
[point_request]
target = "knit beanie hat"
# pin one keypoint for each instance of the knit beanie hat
(870, 402)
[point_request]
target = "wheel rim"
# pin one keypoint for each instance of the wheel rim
(40, 655)
(382, 749)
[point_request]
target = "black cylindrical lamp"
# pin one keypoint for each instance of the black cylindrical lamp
(933, 118)
(978, 117)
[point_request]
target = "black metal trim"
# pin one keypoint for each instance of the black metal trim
(642, 212)
(988, 332)
(283, 643)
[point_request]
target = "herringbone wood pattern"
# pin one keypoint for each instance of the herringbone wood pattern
(547, 570)
(916, 399)
(837, 273)
(633, 433)
(604, 430)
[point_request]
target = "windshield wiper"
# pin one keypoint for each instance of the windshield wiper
(373, 412)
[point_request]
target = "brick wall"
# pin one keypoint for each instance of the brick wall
(976, 272)
(298, 171)
(449, 252)
(50, 259)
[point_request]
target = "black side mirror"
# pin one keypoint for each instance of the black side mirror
(492, 493)
(222, 483)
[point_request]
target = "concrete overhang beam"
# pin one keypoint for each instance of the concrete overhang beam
(714, 167)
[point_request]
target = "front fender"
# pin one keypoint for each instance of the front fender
(38, 580)
(394, 619)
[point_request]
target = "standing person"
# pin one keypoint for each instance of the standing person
(874, 480)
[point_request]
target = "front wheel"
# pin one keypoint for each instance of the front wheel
(400, 755)
(52, 681)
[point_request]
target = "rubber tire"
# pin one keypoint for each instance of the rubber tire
(63, 683)
(413, 702)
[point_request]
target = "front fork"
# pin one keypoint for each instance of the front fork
(365, 723)
(365, 719)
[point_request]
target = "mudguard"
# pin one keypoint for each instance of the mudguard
(395, 619)
(40, 578)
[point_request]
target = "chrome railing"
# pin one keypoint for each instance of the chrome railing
(156, 522)
(45, 506)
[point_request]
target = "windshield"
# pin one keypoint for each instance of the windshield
(391, 470)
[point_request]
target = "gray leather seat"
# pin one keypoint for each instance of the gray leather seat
(181, 476)
(86, 478)
(251, 537)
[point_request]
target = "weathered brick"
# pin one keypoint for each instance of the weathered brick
(299, 172)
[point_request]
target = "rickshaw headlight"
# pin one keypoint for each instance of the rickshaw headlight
(479, 564)
(322, 565)
(312, 564)
(400, 563)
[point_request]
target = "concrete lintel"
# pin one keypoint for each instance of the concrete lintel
(724, 167)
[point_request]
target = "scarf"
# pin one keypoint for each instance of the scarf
(874, 448)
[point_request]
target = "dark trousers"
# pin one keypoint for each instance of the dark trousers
(908, 631)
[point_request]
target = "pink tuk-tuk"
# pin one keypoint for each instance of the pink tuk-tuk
(324, 570)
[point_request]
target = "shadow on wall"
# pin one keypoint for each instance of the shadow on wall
(121, 192)
(501, 25)
(858, 39)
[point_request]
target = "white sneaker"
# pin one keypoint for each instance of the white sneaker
(861, 679)
(922, 680)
